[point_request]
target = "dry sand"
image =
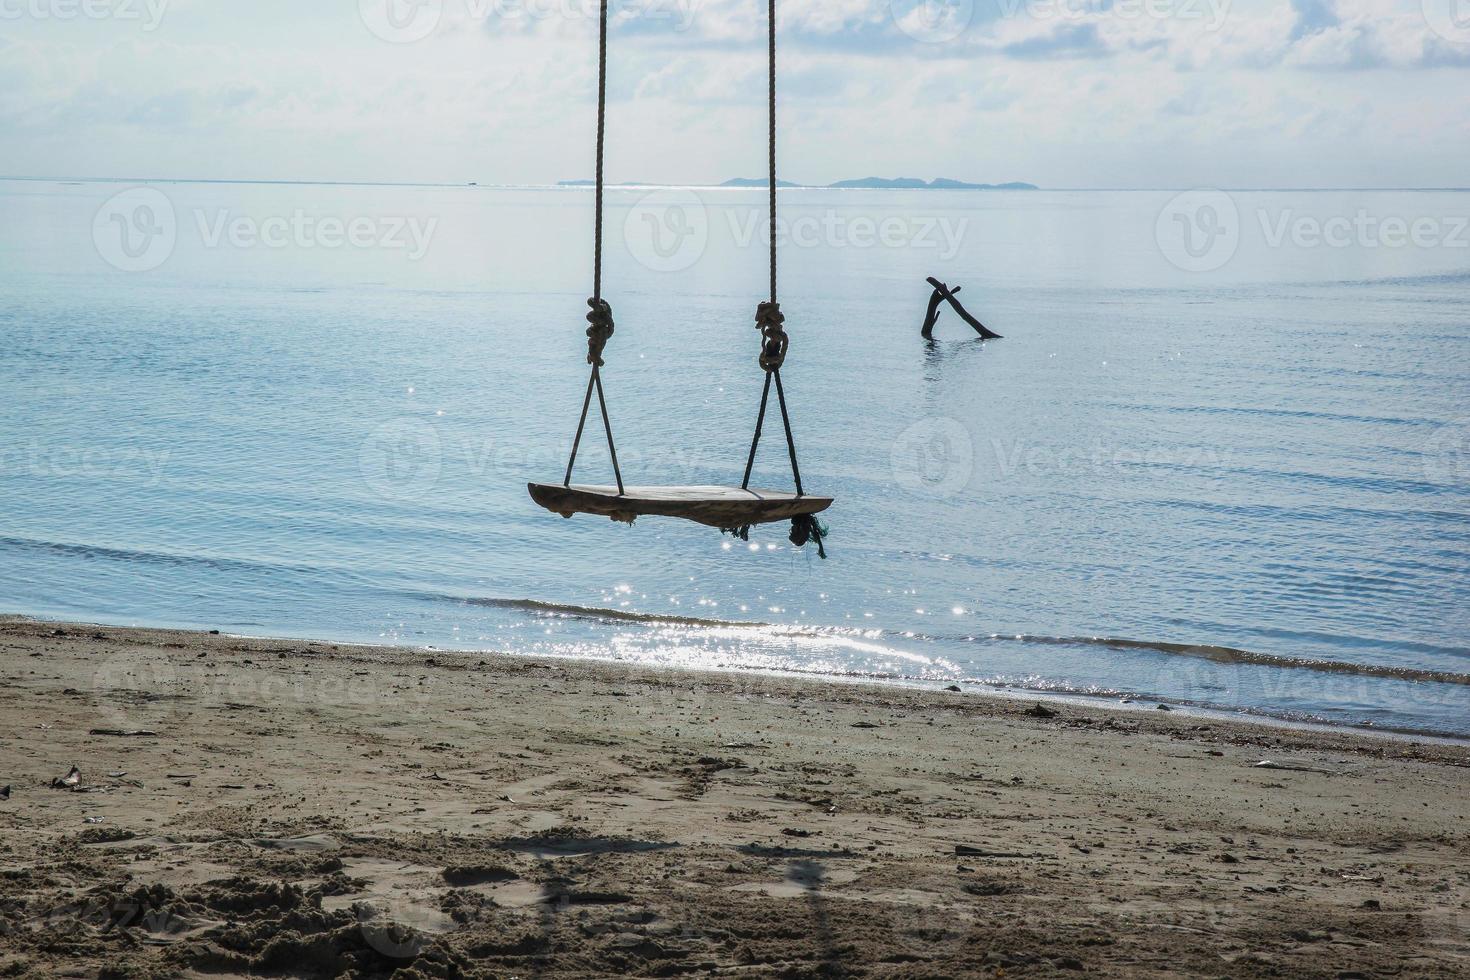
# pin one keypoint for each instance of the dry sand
(307, 809)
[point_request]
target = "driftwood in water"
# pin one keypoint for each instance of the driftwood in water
(719, 507)
(943, 293)
(932, 316)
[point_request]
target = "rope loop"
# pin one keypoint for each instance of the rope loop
(774, 342)
(600, 330)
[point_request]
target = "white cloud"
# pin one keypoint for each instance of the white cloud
(1061, 92)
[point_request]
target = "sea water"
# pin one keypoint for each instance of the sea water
(1220, 458)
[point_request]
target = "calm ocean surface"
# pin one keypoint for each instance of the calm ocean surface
(1226, 470)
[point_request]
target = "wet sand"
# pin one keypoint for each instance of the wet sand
(248, 807)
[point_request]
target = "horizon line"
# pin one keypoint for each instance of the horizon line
(579, 185)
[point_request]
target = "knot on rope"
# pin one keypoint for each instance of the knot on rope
(771, 321)
(601, 319)
(807, 528)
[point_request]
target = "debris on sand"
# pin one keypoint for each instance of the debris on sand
(1039, 710)
(5, 792)
(1268, 764)
(478, 874)
(121, 733)
(71, 780)
(990, 889)
(104, 835)
(965, 850)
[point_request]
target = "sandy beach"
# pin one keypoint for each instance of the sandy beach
(244, 807)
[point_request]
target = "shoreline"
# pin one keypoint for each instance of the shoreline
(1126, 704)
(253, 805)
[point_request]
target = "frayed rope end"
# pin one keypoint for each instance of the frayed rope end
(804, 529)
(807, 528)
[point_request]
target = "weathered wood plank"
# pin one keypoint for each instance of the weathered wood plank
(718, 507)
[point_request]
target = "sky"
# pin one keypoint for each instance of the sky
(1061, 93)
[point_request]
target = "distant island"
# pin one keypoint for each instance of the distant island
(863, 183)
(937, 184)
(757, 182)
(593, 183)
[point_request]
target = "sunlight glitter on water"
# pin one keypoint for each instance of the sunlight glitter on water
(343, 447)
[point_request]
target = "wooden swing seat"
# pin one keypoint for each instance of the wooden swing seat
(717, 507)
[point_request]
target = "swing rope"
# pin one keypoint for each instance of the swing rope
(768, 316)
(774, 340)
(599, 317)
(769, 319)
